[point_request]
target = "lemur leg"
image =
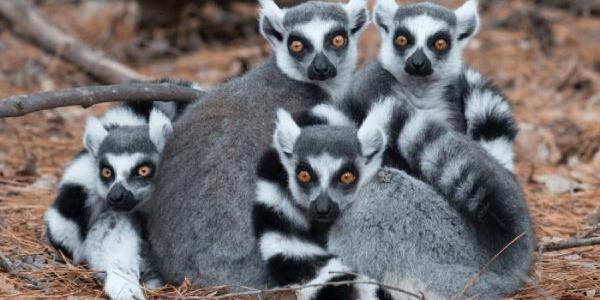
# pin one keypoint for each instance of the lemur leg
(113, 246)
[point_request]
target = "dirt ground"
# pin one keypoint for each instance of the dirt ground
(546, 60)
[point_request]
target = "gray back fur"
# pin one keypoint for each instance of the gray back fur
(399, 230)
(199, 218)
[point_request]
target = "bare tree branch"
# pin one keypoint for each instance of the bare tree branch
(570, 243)
(28, 23)
(87, 96)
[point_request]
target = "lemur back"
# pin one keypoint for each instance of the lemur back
(198, 218)
(420, 61)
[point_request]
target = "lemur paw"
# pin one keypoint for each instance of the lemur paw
(119, 287)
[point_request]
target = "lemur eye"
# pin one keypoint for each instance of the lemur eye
(441, 45)
(347, 178)
(401, 40)
(144, 171)
(296, 46)
(338, 41)
(304, 176)
(106, 172)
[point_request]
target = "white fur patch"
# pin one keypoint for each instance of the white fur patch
(94, 134)
(273, 243)
(412, 130)
(332, 115)
(160, 129)
(502, 150)
(83, 171)
(271, 195)
(286, 133)
(483, 103)
(63, 230)
(325, 166)
(122, 116)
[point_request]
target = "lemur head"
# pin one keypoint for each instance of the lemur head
(315, 41)
(327, 165)
(127, 158)
(424, 39)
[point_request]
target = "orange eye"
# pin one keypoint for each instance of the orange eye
(347, 178)
(106, 172)
(304, 177)
(401, 41)
(441, 45)
(144, 171)
(296, 46)
(338, 41)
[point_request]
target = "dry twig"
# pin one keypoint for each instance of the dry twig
(570, 243)
(88, 96)
(28, 23)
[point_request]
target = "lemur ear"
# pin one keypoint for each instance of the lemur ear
(159, 129)
(286, 133)
(371, 134)
(468, 21)
(94, 135)
(271, 21)
(383, 14)
(358, 15)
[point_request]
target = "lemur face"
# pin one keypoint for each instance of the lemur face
(314, 41)
(424, 40)
(127, 158)
(327, 165)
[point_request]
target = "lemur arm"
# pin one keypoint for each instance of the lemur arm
(293, 253)
(488, 117)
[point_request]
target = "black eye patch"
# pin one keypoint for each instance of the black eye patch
(348, 167)
(104, 164)
(134, 172)
(307, 47)
(441, 35)
(403, 31)
(314, 179)
(329, 40)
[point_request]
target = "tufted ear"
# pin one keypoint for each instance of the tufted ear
(159, 129)
(468, 21)
(358, 15)
(383, 14)
(94, 135)
(286, 133)
(271, 21)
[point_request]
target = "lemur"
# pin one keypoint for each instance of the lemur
(306, 181)
(421, 60)
(402, 232)
(198, 217)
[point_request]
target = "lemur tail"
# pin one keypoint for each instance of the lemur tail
(489, 118)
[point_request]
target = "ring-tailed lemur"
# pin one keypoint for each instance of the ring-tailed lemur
(91, 220)
(436, 244)
(420, 60)
(198, 217)
(306, 181)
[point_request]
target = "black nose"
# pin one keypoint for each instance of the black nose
(119, 198)
(323, 209)
(321, 68)
(418, 64)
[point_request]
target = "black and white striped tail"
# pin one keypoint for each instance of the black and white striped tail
(489, 118)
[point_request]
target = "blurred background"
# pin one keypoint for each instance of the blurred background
(543, 54)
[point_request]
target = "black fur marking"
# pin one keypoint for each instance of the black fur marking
(455, 94)
(380, 23)
(271, 169)
(406, 33)
(430, 134)
(494, 126)
(345, 292)
(333, 33)
(70, 203)
(444, 35)
(307, 45)
(266, 219)
(140, 108)
(306, 118)
(288, 270)
(383, 294)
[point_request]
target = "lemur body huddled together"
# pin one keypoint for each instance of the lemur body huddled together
(398, 174)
